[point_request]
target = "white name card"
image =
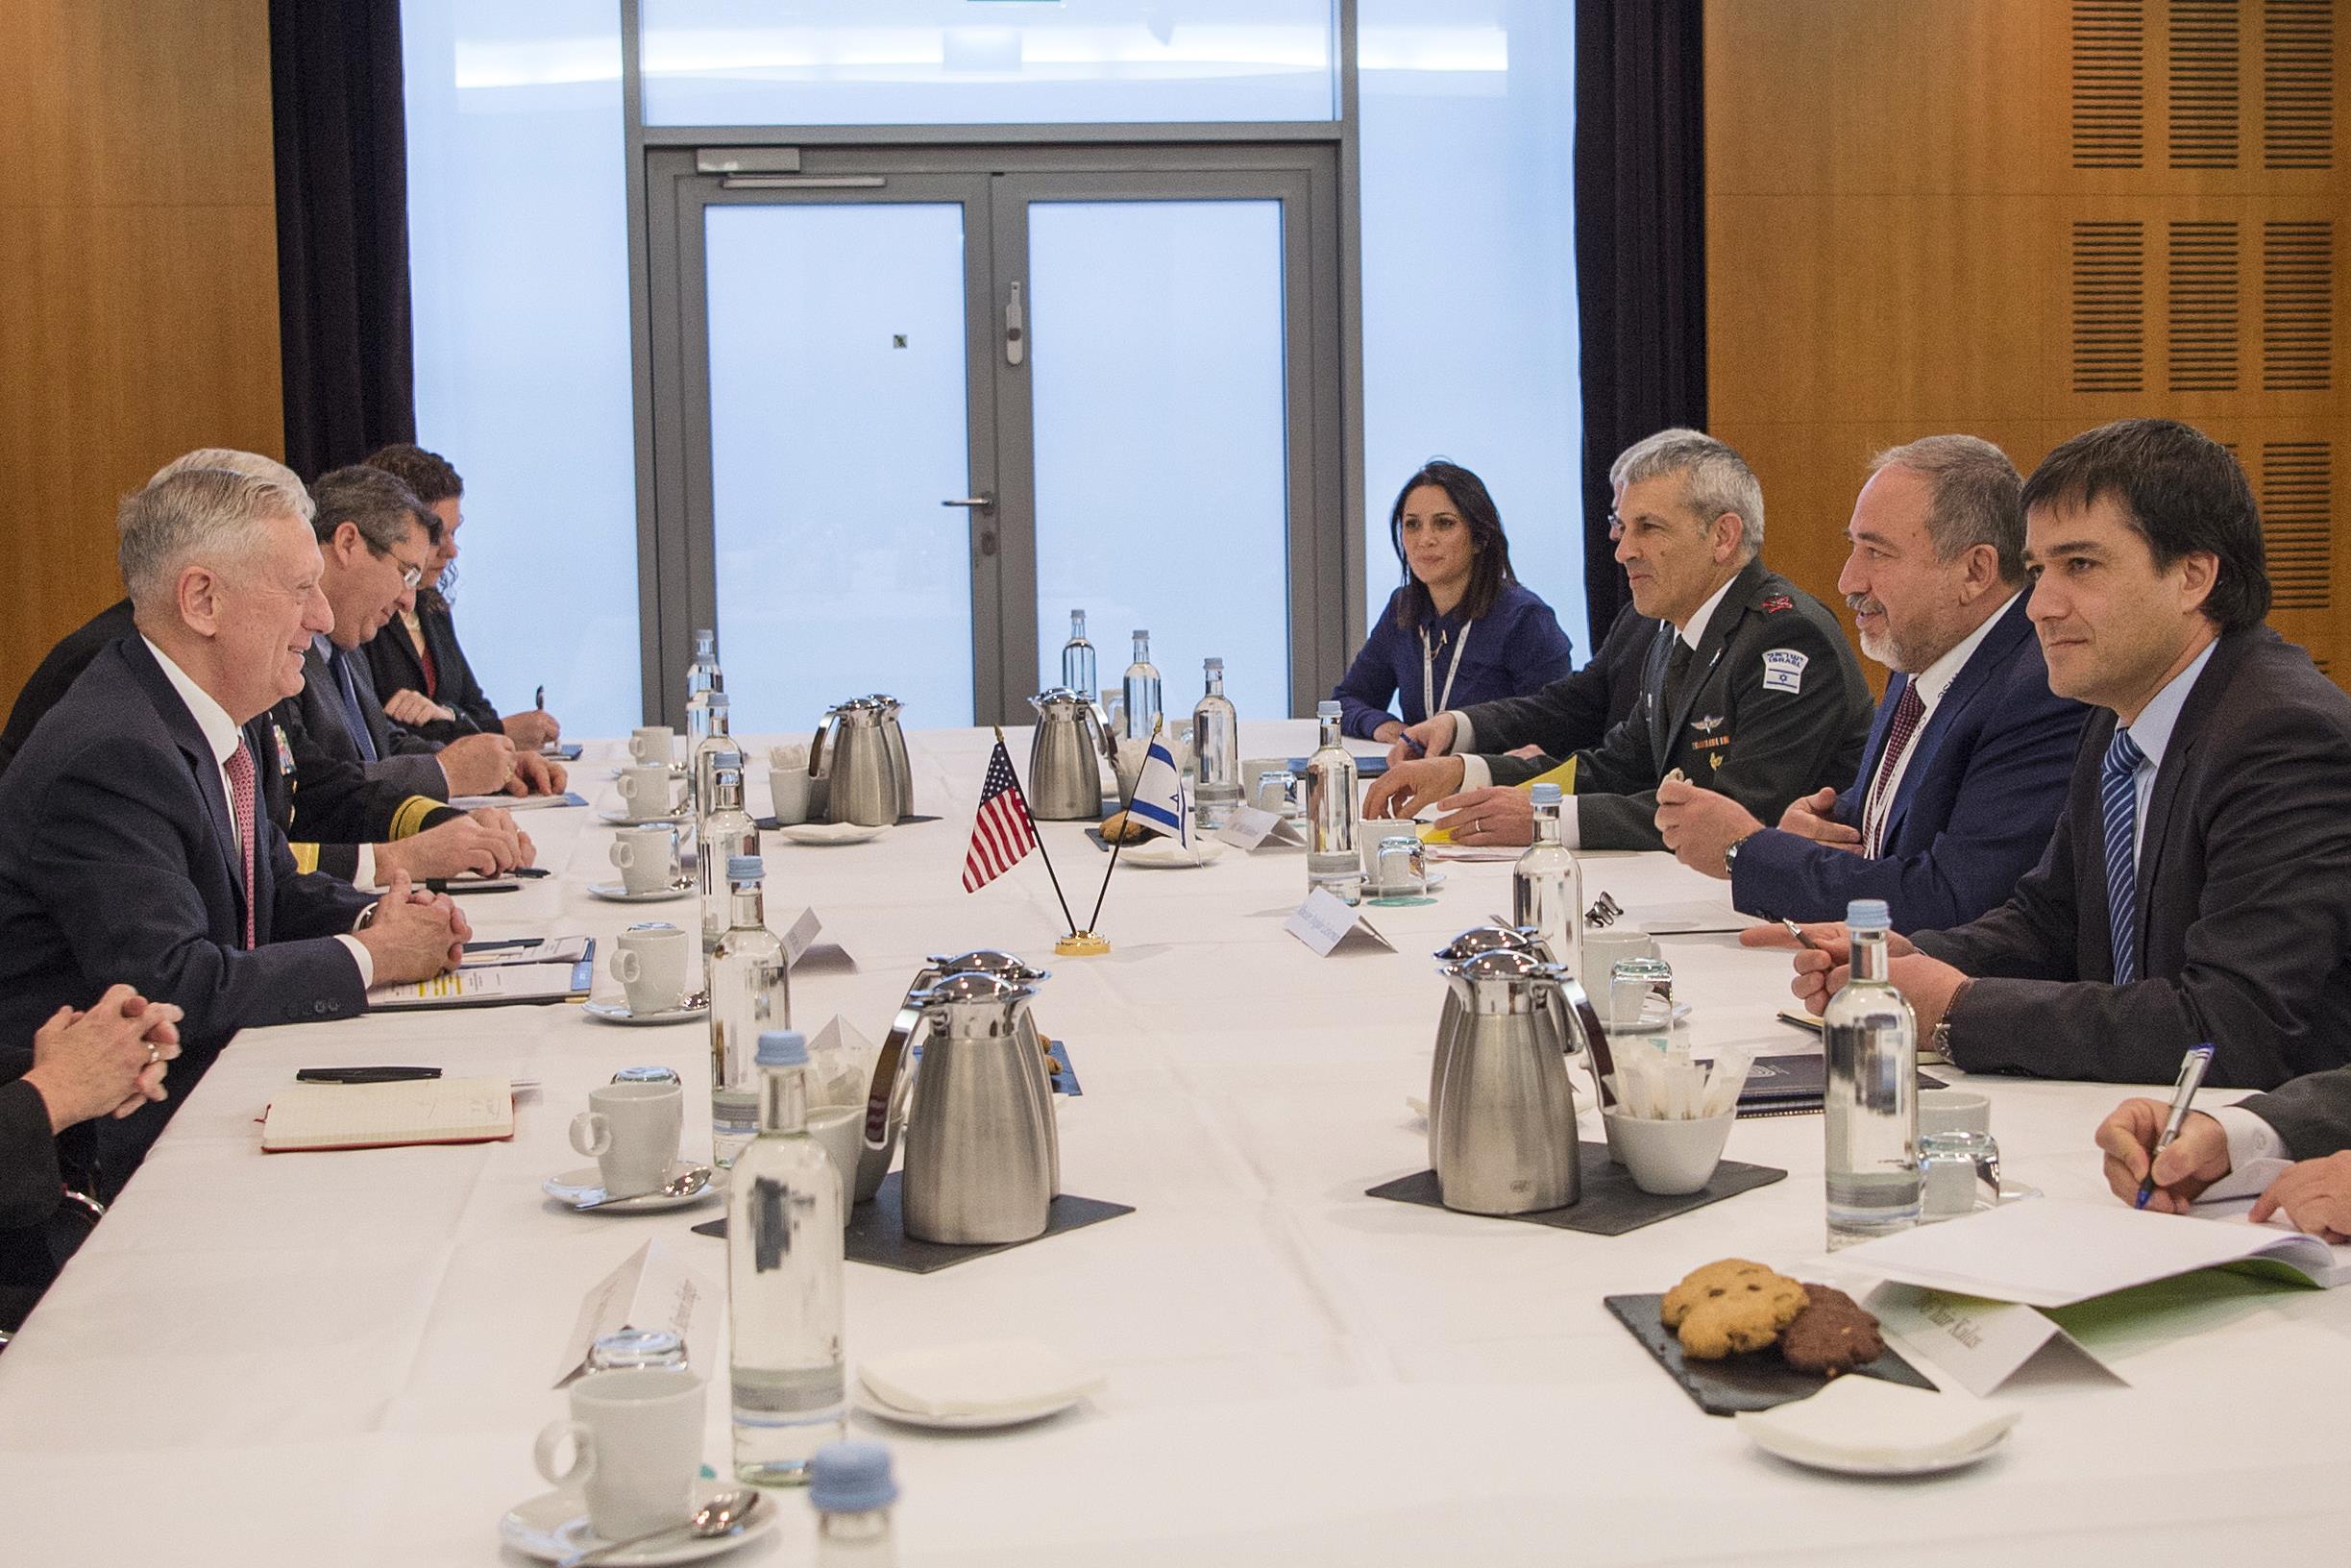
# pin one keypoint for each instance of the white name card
(1251, 829)
(1980, 1344)
(654, 1289)
(1324, 921)
(802, 946)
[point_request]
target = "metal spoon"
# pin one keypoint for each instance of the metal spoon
(691, 1180)
(723, 1515)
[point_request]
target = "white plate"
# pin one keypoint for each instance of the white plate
(616, 1011)
(618, 893)
(1009, 1415)
(828, 833)
(586, 1184)
(554, 1525)
(620, 818)
(1167, 855)
(1868, 1426)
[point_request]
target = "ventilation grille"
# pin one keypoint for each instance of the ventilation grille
(2297, 85)
(2296, 483)
(2108, 308)
(2298, 307)
(2110, 87)
(2204, 307)
(2205, 104)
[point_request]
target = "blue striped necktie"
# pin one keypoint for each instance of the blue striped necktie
(360, 735)
(2118, 794)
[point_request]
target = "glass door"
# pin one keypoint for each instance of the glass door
(907, 417)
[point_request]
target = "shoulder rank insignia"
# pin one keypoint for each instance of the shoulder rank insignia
(1776, 604)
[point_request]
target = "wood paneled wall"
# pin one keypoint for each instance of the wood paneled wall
(2021, 218)
(139, 279)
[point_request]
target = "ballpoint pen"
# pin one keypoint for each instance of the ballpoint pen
(1795, 930)
(2183, 1095)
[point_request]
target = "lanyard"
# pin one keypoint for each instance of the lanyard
(1432, 701)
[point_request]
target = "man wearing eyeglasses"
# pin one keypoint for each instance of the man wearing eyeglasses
(371, 535)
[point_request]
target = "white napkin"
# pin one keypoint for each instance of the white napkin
(977, 1379)
(789, 756)
(1870, 1424)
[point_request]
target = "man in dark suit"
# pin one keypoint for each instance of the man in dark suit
(1966, 763)
(132, 847)
(1749, 685)
(2198, 887)
(2304, 1126)
(371, 538)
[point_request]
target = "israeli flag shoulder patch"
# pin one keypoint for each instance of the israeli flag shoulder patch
(1783, 670)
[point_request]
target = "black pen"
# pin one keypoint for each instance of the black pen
(364, 1076)
(458, 887)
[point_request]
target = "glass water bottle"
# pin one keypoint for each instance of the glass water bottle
(1215, 730)
(724, 833)
(1331, 860)
(1142, 691)
(750, 994)
(1872, 1041)
(1547, 887)
(1079, 671)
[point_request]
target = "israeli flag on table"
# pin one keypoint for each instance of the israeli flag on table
(1163, 796)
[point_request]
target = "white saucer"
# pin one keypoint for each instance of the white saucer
(1167, 855)
(694, 1008)
(586, 1186)
(1877, 1427)
(622, 818)
(618, 893)
(1010, 1415)
(828, 833)
(1373, 890)
(554, 1525)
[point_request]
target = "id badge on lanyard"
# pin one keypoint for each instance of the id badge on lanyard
(1434, 701)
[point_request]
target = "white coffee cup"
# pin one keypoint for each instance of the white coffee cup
(648, 857)
(788, 795)
(645, 791)
(636, 1438)
(1603, 950)
(842, 1130)
(649, 962)
(1954, 1111)
(631, 1132)
(653, 743)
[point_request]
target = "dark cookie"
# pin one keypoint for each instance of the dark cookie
(1833, 1334)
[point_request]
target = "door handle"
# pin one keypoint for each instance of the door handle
(985, 508)
(1013, 348)
(982, 503)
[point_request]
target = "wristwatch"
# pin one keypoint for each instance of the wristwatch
(1731, 852)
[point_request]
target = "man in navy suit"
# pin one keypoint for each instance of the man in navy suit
(133, 844)
(1966, 768)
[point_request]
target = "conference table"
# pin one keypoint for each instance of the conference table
(343, 1357)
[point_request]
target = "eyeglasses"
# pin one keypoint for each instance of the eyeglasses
(410, 574)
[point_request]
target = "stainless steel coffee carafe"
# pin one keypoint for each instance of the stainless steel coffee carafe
(1506, 1141)
(894, 736)
(1478, 938)
(980, 1137)
(1065, 758)
(853, 753)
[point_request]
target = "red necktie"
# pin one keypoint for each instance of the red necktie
(1907, 709)
(241, 805)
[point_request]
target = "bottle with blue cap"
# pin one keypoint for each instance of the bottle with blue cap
(1872, 1041)
(852, 1489)
(783, 1280)
(724, 831)
(1547, 886)
(1333, 863)
(750, 994)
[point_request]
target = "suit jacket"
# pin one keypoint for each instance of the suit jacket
(2243, 893)
(1978, 801)
(118, 863)
(2311, 1113)
(55, 673)
(1577, 710)
(404, 762)
(1774, 706)
(392, 656)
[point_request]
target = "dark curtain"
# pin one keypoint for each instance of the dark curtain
(342, 229)
(1640, 246)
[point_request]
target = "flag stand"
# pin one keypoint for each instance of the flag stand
(1085, 943)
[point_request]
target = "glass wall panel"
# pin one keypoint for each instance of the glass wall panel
(954, 62)
(837, 426)
(1467, 111)
(1155, 345)
(518, 269)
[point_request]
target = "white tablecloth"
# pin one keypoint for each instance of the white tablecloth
(341, 1358)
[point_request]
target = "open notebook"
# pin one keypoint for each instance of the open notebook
(306, 1117)
(2050, 1252)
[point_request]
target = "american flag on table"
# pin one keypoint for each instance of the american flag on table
(1003, 833)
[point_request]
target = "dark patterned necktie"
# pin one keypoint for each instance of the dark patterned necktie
(242, 806)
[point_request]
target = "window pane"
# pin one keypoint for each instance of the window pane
(1156, 342)
(1469, 275)
(519, 272)
(953, 62)
(835, 432)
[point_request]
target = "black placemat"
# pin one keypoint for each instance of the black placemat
(1756, 1380)
(1610, 1205)
(768, 825)
(1065, 1076)
(877, 1231)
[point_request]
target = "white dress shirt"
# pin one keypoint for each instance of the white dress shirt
(222, 735)
(1477, 775)
(2152, 730)
(1930, 683)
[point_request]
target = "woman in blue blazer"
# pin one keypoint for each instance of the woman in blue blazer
(1460, 629)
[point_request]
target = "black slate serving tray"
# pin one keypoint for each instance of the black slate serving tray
(1758, 1381)
(1611, 1205)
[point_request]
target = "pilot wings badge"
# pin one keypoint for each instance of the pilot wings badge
(1709, 724)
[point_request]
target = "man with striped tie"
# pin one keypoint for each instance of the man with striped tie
(132, 845)
(2198, 888)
